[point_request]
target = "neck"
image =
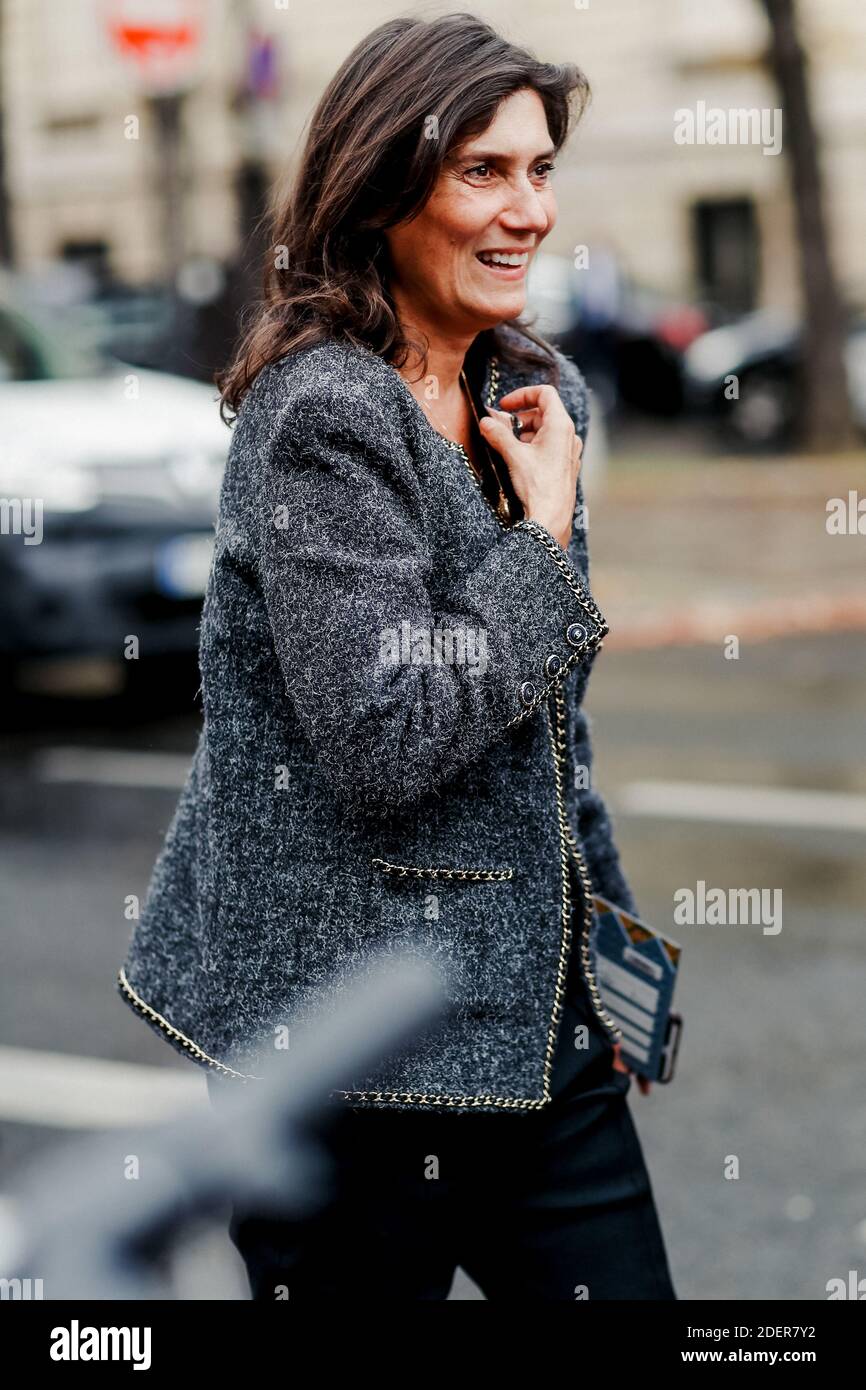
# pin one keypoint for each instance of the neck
(446, 350)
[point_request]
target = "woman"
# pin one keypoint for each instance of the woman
(395, 645)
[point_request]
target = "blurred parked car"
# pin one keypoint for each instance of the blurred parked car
(762, 350)
(122, 467)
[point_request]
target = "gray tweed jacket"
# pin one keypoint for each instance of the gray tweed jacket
(393, 752)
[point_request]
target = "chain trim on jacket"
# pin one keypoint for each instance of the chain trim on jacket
(492, 388)
(560, 752)
(557, 555)
(468, 875)
(586, 603)
(565, 910)
(421, 1098)
(556, 727)
(186, 1043)
(545, 692)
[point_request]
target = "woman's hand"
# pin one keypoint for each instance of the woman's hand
(544, 462)
(644, 1084)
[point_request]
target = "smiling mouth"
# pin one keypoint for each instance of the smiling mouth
(508, 264)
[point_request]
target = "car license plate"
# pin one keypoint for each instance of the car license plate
(183, 565)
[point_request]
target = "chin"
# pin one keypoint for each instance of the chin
(492, 313)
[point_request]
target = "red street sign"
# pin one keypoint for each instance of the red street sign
(161, 36)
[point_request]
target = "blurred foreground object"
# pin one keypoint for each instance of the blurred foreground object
(100, 1219)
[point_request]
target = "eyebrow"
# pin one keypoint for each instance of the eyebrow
(492, 157)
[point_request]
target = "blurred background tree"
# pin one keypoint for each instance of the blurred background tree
(825, 420)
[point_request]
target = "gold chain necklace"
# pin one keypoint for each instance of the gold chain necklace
(502, 507)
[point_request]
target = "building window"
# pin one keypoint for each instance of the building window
(726, 250)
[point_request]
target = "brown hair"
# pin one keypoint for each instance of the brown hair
(369, 163)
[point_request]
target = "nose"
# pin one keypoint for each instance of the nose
(525, 211)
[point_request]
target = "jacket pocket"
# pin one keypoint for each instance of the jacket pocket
(460, 874)
(460, 915)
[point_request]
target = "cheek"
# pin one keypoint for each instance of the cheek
(405, 249)
(461, 219)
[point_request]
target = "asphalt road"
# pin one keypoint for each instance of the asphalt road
(770, 1081)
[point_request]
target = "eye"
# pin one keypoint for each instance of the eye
(479, 171)
(543, 170)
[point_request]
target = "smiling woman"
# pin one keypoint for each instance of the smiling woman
(398, 134)
(355, 796)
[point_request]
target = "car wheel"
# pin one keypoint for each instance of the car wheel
(762, 416)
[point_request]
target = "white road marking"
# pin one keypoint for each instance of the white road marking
(704, 801)
(744, 805)
(113, 767)
(68, 1092)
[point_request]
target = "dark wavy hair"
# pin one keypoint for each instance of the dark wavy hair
(369, 163)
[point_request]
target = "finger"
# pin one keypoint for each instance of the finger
(543, 397)
(530, 416)
(502, 417)
(556, 426)
(524, 424)
(618, 1063)
(496, 430)
(529, 422)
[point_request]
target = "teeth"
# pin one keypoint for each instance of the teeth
(498, 258)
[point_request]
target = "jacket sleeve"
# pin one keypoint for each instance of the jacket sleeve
(345, 564)
(595, 825)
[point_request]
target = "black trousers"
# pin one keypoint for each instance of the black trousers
(551, 1205)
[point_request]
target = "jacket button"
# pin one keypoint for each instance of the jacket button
(527, 692)
(575, 633)
(552, 666)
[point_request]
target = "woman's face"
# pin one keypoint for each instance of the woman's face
(493, 200)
